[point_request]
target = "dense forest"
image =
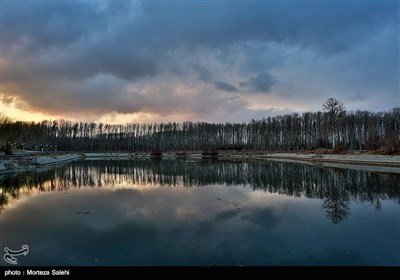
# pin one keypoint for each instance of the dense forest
(333, 127)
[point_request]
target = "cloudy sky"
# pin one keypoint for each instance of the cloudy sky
(144, 61)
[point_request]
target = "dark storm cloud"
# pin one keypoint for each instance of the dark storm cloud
(260, 83)
(76, 40)
(225, 86)
(87, 56)
(329, 26)
(202, 72)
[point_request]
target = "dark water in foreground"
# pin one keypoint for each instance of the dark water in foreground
(201, 213)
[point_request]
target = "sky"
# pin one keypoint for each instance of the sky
(214, 61)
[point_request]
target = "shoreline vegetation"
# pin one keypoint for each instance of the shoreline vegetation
(331, 129)
(332, 135)
(23, 161)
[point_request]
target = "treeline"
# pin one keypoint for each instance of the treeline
(335, 187)
(359, 130)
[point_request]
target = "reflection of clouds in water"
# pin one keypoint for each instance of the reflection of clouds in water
(165, 206)
(227, 215)
(176, 220)
(162, 205)
(335, 186)
(262, 217)
(181, 226)
(141, 216)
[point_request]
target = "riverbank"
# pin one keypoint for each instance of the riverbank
(366, 159)
(28, 160)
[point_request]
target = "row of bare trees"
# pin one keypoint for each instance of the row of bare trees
(357, 130)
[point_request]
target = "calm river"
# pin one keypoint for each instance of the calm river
(177, 212)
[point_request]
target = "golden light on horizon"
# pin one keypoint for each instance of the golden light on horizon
(17, 114)
(21, 115)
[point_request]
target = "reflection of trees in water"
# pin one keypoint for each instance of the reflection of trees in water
(336, 187)
(335, 208)
(336, 199)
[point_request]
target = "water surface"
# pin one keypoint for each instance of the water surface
(148, 212)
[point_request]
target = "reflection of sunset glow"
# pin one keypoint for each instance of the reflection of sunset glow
(146, 176)
(24, 194)
(138, 222)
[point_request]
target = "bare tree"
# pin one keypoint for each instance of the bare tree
(334, 109)
(333, 106)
